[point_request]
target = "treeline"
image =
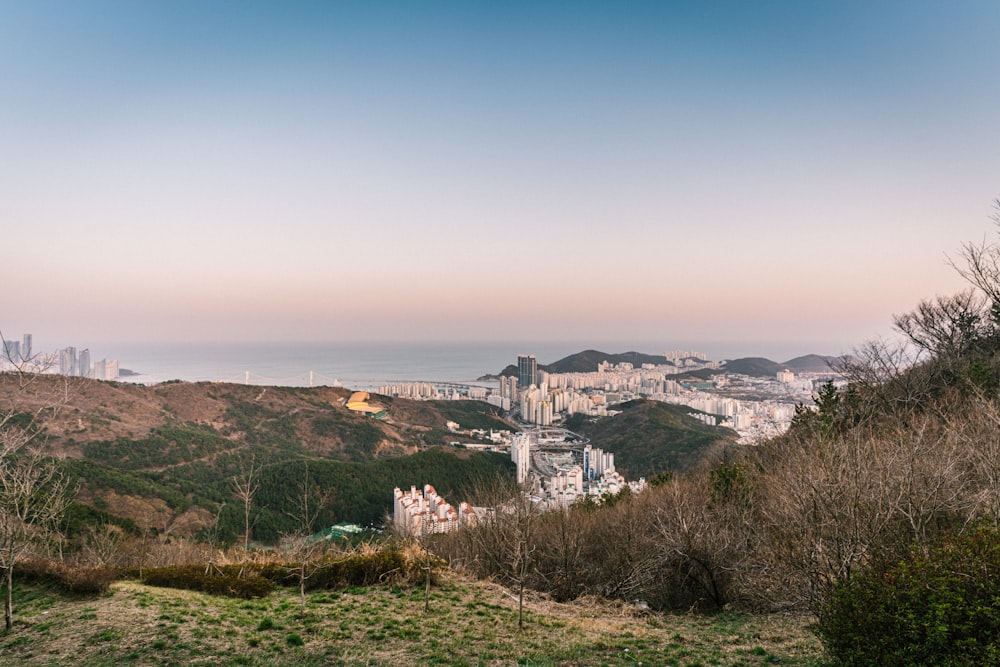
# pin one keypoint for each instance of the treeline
(355, 492)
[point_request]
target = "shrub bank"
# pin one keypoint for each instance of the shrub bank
(66, 578)
(938, 606)
(230, 580)
(256, 580)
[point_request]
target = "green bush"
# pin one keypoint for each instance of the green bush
(939, 606)
(218, 581)
(386, 565)
(361, 569)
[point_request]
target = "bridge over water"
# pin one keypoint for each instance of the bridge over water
(313, 379)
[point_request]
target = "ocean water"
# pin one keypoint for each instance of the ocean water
(367, 365)
(355, 365)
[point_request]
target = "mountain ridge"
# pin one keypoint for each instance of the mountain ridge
(587, 361)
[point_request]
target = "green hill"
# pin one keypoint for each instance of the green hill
(587, 361)
(164, 456)
(814, 363)
(761, 367)
(754, 366)
(650, 437)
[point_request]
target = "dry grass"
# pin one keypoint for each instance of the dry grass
(470, 623)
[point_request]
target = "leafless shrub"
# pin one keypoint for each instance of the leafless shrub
(830, 503)
(946, 326)
(33, 491)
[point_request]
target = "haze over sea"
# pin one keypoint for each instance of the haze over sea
(368, 364)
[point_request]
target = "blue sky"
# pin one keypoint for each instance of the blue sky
(627, 171)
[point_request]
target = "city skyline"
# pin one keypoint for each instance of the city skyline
(534, 171)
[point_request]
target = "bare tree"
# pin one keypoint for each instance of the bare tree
(299, 546)
(885, 377)
(830, 504)
(428, 562)
(245, 486)
(562, 535)
(519, 516)
(33, 496)
(946, 326)
(503, 542)
(980, 264)
(103, 544)
(34, 493)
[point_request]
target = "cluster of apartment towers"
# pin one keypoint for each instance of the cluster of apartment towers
(538, 402)
(17, 352)
(416, 513)
(67, 361)
(419, 513)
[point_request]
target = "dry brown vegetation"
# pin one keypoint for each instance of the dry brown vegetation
(773, 529)
(94, 411)
(907, 451)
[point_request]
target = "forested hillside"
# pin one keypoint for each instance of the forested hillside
(649, 437)
(166, 457)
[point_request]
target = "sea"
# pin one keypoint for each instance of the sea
(354, 365)
(368, 365)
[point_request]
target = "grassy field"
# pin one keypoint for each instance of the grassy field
(469, 623)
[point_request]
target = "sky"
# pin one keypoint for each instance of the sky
(431, 171)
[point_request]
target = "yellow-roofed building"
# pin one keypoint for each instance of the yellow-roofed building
(358, 402)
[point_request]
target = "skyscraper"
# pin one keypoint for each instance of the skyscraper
(67, 361)
(12, 351)
(26, 347)
(527, 371)
(105, 369)
(520, 454)
(83, 363)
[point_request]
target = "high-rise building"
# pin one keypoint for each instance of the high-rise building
(12, 351)
(527, 371)
(520, 454)
(83, 363)
(67, 361)
(26, 347)
(596, 462)
(508, 387)
(105, 369)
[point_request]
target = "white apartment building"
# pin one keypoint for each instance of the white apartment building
(520, 454)
(417, 514)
